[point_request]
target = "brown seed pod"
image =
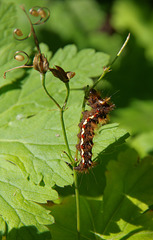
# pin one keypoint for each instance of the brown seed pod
(19, 57)
(34, 12)
(40, 63)
(18, 32)
(41, 13)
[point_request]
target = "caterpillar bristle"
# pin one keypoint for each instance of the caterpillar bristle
(100, 109)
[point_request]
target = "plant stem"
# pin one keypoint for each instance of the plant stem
(73, 163)
(67, 94)
(68, 148)
(77, 203)
(42, 77)
(107, 69)
(32, 30)
(65, 136)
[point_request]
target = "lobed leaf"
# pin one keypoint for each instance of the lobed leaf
(123, 212)
(31, 134)
(19, 199)
(127, 198)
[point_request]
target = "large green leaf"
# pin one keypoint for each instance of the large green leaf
(19, 198)
(127, 196)
(29, 129)
(66, 230)
(122, 213)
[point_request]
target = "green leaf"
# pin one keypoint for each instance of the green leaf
(86, 63)
(122, 213)
(31, 135)
(126, 198)
(109, 135)
(143, 143)
(138, 117)
(29, 132)
(2, 226)
(66, 230)
(8, 45)
(19, 198)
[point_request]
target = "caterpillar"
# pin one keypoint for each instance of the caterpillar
(100, 109)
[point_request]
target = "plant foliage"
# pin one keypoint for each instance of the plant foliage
(36, 177)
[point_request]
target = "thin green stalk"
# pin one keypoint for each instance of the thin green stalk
(65, 136)
(121, 49)
(42, 77)
(61, 117)
(63, 124)
(68, 148)
(67, 94)
(107, 69)
(77, 203)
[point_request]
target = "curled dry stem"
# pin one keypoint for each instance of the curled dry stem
(43, 13)
(40, 62)
(20, 56)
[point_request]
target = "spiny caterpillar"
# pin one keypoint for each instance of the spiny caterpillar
(98, 114)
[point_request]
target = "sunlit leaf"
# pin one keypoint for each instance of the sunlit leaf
(123, 211)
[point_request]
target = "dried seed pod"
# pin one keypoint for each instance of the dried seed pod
(34, 12)
(40, 63)
(70, 75)
(42, 13)
(19, 57)
(18, 32)
(61, 74)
